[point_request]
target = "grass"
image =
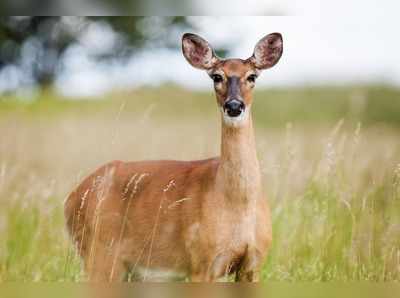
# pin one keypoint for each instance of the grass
(330, 159)
(273, 107)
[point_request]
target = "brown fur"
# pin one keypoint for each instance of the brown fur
(199, 219)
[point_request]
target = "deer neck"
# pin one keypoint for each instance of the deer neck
(238, 174)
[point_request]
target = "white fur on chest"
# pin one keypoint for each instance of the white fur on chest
(236, 228)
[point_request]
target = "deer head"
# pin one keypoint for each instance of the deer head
(234, 79)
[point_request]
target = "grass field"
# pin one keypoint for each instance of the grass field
(330, 159)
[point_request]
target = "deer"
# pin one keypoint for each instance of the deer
(168, 220)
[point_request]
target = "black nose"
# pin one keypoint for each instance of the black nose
(234, 107)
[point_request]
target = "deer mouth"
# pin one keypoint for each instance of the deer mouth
(234, 118)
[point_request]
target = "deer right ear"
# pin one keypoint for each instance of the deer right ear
(268, 51)
(198, 51)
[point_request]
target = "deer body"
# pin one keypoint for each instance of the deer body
(158, 220)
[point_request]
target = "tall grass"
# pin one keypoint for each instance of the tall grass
(331, 173)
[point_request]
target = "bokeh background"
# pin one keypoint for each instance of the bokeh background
(83, 56)
(76, 92)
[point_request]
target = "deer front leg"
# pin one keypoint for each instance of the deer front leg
(249, 270)
(216, 270)
(105, 268)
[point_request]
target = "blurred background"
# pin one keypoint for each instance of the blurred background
(76, 92)
(88, 56)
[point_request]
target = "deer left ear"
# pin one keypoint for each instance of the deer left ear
(268, 51)
(198, 51)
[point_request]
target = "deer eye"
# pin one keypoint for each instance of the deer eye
(252, 78)
(217, 78)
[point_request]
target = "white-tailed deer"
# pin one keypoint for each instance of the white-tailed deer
(199, 220)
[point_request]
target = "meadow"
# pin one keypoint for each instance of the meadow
(330, 158)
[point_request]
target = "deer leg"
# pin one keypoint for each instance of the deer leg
(105, 265)
(249, 270)
(247, 276)
(198, 277)
(106, 271)
(217, 270)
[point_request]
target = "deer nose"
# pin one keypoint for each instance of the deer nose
(234, 107)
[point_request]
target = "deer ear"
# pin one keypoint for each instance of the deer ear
(198, 51)
(267, 51)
